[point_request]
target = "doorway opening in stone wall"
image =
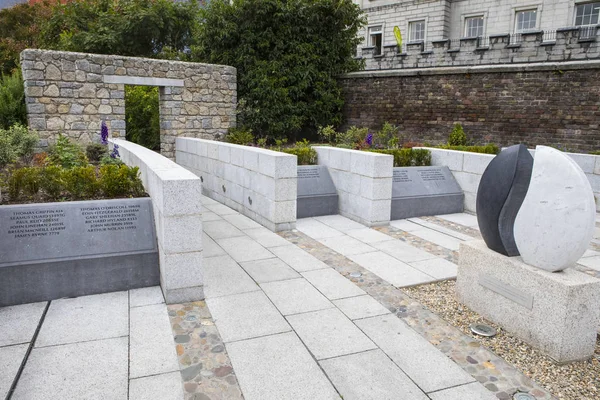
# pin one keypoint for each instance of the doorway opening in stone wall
(142, 119)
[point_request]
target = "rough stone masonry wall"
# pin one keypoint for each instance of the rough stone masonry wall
(553, 104)
(72, 93)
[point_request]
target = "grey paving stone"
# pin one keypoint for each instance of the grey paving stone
(269, 270)
(207, 200)
(220, 229)
(403, 251)
(368, 235)
(592, 262)
(339, 222)
(329, 333)
(241, 221)
(219, 209)
(297, 258)
(590, 253)
(152, 348)
(18, 323)
(246, 315)
(441, 229)
(266, 238)
(437, 267)
(361, 307)
(405, 225)
(316, 229)
(89, 370)
(100, 316)
(346, 245)
(11, 358)
(295, 296)
(370, 375)
(391, 269)
(428, 367)
(244, 249)
(473, 390)
(210, 248)
(223, 276)
(332, 284)
(164, 387)
(210, 216)
(461, 219)
(438, 238)
(146, 296)
(278, 367)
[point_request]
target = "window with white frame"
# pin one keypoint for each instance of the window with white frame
(587, 14)
(416, 31)
(526, 21)
(376, 38)
(474, 26)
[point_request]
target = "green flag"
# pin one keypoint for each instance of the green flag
(398, 35)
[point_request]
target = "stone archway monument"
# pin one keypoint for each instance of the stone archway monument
(72, 93)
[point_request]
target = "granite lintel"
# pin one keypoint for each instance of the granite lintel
(145, 81)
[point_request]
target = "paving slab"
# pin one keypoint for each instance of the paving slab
(245, 316)
(18, 323)
(368, 235)
(469, 391)
(391, 269)
(163, 387)
(278, 367)
(219, 209)
(207, 200)
(405, 225)
(441, 229)
(329, 333)
(266, 238)
(361, 307)
(428, 367)
(438, 238)
(403, 251)
(461, 219)
(210, 248)
(11, 358)
(346, 245)
(339, 222)
(220, 229)
(146, 296)
(297, 258)
(295, 296)
(370, 375)
(241, 221)
(88, 370)
(332, 284)
(223, 276)
(210, 216)
(100, 316)
(316, 229)
(269, 270)
(592, 262)
(244, 249)
(437, 267)
(590, 253)
(152, 349)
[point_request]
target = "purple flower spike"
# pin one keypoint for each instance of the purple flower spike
(369, 139)
(104, 134)
(115, 152)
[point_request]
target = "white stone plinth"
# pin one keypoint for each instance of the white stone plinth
(555, 312)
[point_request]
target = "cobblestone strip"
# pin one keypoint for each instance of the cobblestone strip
(493, 372)
(205, 366)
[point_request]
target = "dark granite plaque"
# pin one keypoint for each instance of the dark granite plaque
(54, 250)
(421, 191)
(317, 194)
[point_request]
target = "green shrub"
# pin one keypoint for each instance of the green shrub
(15, 142)
(12, 100)
(352, 138)
(95, 151)
(387, 137)
(52, 182)
(24, 182)
(142, 116)
(327, 134)
(66, 154)
(486, 149)
(120, 181)
(241, 136)
(408, 157)
(81, 182)
(108, 160)
(457, 137)
(595, 153)
(306, 154)
(7, 151)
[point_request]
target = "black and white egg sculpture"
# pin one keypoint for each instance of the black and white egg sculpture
(542, 210)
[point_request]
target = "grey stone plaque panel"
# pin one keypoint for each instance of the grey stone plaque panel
(506, 290)
(421, 191)
(317, 194)
(55, 250)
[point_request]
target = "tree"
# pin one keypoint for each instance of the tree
(12, 100)
(288, 55)
(142, 116)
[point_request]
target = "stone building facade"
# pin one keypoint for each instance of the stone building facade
(72, 93)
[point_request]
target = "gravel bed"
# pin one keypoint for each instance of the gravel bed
(576, 381)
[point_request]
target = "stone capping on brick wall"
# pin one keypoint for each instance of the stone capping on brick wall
(73, 93)
(176, 200)
(363, 181)
(468, 168)
(259, 183)
(497, 49)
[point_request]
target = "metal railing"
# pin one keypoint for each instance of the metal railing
(549, 36)
(587, 32)
(516, 38)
